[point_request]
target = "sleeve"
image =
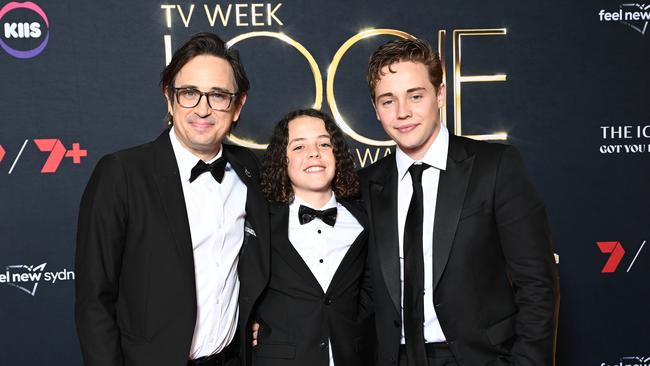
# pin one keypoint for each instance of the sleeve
(526, 244)
(100, 243)
(366, 296)
(366, 308)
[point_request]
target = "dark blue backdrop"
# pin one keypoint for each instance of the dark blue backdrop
(574, 101)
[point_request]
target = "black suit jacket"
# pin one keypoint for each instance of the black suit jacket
(297, 318)
(494, 277)
(135, 288)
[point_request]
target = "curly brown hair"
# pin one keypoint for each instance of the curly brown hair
(399, 50)
(276, 185)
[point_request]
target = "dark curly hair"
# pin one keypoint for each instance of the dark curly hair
(276, 185)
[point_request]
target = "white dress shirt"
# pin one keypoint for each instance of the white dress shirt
(216, 214)
(321, 246)
(436, 158)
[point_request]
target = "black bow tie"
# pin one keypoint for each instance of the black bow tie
(216, 168)
(307, 214)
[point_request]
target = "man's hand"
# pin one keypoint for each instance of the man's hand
(256, 327)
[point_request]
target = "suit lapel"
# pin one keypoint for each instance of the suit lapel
(452, 188)
(281, 244)
(354, 250)
(383, 201)
(256, 209)
(168, 181)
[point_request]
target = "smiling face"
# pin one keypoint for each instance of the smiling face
(202, 129)
(407, 106)
(310, 160)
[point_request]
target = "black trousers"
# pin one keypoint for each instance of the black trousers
(438, 354)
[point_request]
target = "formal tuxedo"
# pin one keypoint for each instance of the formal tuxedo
(297, 317)
(135, 277)
(495, 285)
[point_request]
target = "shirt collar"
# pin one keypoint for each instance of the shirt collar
(297, 201)
(184, 158)
(436, 156)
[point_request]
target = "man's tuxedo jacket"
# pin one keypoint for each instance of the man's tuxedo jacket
(135, 284)
(297, 317)
(494, 275)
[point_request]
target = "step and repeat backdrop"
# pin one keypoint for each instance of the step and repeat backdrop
(568, 83)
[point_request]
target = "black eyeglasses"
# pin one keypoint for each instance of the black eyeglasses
(217, 100)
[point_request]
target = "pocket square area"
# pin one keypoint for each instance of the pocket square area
(249, 230)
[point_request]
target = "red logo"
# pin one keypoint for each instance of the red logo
(616, 253)
(57, 152)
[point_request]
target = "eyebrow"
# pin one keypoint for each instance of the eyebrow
(415, 89)
(214, 88)
(389, 94)
(303, 138)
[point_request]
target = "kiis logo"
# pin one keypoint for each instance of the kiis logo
(22, 23)
(57, 152)
(27, 277)
(630, 361)
(616, 253)
(635, 16)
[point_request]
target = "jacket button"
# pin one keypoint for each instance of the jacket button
(328, 301)
(323, 346)
(396, 323)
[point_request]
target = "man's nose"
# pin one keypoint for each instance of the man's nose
(203, 108)
(403, 110)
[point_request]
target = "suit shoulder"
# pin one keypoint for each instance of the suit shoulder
(125, 156)
(134, 153)
(486, 151)
(246, 155)
(357, 209)
(238, 150)
(496, 158)
(354, 204)
(478, 146)
(376, 168)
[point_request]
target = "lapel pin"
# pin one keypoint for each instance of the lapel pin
(247, 172)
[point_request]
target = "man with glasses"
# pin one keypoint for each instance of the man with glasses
(174, 232)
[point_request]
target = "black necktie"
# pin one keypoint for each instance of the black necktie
(216, 168)
(414, 274)
(307, 214)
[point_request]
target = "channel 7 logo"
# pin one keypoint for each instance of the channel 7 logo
(57, 152)
(616, 253)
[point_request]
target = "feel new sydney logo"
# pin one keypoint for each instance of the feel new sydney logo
(27, 278)
(634, 15)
